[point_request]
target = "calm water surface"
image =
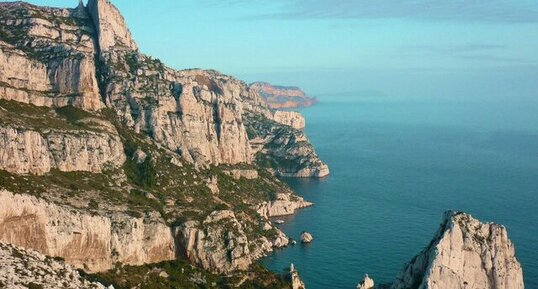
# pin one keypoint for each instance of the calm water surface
(396, 167)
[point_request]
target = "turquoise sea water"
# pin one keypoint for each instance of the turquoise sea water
(396, 167)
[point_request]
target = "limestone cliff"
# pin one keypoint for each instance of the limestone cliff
(86, 57)
(107, 155)
(279, 97)
(289, 118)
(112, 30)
(464, 253)
(47, 57)
(84, 240)
(24, 151)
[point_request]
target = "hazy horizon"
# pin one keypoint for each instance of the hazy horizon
(420, 49)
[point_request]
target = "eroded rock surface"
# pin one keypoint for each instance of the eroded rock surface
(23, 269)
(24, 151)
(219, 243)
(47, 56)
(84, 240)
(464, 253)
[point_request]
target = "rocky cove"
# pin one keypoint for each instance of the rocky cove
(126, 169)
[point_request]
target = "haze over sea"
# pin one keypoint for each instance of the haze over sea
(396, 167)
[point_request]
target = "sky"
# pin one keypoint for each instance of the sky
(416, 48)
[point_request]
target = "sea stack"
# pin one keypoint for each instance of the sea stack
(464, 253)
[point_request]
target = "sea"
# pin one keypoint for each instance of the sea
(396, 166)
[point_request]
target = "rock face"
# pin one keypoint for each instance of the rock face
(112, 30)
(290, 118)
(283, 149)
(24, 151)
(23, 269)
(278, 97)
(367, 283)
(464, 253)
(47, 57)
(87, 241)
(283, 205)
(219, 244)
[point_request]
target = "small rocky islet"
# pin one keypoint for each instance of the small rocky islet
(132, 174)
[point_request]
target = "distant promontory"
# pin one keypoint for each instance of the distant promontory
(278, 97)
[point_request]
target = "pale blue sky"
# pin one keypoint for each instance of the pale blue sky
(437, 48)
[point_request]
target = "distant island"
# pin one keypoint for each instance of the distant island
(278, 97)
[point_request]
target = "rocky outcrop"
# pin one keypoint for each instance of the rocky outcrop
(296, 282)
(242, 173)
(367, 283)
(219, 243)
(23, 269)
(25, 151)
(290, 118)
(278, 97)
(283, 205)
(84, 240)
(464, 253)
(112, 31)
(47, 57)
(283, 149)
(306, 237)
(195, 113)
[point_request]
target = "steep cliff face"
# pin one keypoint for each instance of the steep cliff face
(464, 253)
(47, 56)
(24, 151)
(278, 97)
(112, 31)
(93, 242)
(194, 113)
(289, 118)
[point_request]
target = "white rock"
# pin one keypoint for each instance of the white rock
(464, 253)
(306, 237)
(367, 283)
(82, 239)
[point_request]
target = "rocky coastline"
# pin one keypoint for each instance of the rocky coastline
(115, 168)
